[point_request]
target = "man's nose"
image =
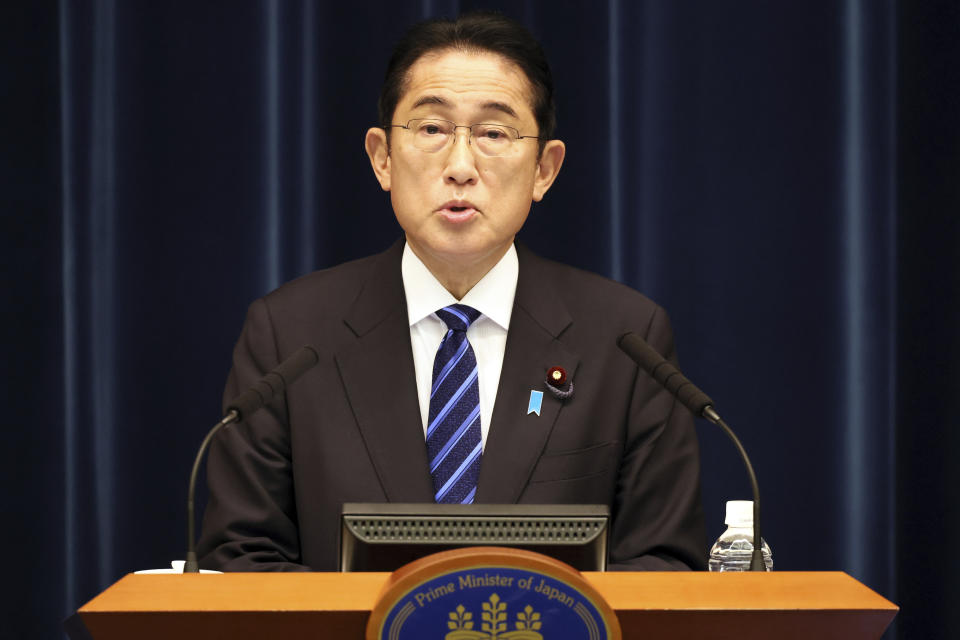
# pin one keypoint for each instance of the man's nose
(461, 165)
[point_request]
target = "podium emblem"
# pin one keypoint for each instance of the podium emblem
(490, 593)
(494, 623)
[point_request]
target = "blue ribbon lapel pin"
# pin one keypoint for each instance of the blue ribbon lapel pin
(536, 402)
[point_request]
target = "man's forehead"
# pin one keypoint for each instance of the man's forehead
(452, 79)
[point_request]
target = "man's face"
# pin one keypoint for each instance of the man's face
(458, 207)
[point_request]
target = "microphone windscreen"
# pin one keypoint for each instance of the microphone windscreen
(641, 352)
(664, 372)
(295, 366)
(274, 382)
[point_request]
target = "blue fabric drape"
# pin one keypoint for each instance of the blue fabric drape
(780, 176)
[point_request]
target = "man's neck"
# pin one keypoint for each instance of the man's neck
(456, 276)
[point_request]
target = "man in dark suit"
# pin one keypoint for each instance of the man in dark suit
(464, 147)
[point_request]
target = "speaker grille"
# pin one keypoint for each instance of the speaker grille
(466, 530)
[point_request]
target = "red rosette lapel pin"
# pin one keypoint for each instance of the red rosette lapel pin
(558, 383)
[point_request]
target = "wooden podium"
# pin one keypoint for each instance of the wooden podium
(740, 606)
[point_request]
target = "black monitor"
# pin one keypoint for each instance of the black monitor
(386, 536)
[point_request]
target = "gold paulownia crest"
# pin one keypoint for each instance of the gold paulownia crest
(494, 625)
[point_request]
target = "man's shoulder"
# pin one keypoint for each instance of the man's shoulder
(587, 311)
(344, 276)
(336, 285)
(580, 288)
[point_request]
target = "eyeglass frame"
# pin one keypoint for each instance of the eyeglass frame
(462, 126)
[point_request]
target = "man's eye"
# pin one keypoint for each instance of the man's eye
(493, 135)
(431, 129)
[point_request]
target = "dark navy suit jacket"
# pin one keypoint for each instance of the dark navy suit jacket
(350, 429)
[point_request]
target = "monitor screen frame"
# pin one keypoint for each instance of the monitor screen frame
(386, 536)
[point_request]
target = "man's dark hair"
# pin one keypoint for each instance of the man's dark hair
(473, 32)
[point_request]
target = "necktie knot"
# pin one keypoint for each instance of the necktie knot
(458, 317)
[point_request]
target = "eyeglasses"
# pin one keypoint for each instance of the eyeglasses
(432, 135)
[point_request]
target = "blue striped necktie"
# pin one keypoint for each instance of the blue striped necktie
(453, 428)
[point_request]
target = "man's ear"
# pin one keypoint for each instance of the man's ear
(548, 167)
(378, 151)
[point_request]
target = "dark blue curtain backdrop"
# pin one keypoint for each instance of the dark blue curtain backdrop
(781, 176)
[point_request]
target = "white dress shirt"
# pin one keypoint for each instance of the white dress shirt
(492, 297)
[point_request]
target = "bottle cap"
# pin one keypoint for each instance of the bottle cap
(739, 513)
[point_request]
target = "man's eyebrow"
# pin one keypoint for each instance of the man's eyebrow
(430, 100)
(499, 106)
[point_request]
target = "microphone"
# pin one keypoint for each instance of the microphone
(244, 405)
(701, 405)
(668, 376)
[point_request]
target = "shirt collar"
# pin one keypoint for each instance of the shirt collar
(492, 296)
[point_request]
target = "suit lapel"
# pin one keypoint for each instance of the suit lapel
(516, 439)
(378, 375)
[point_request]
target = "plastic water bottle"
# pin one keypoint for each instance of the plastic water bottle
(732, 551)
